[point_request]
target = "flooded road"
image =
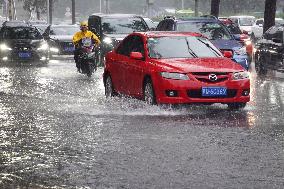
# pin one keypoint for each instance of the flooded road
(57, 130)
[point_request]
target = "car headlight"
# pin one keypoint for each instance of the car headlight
(4, 47)
(240, 75)
(241, 51)
(177, 76)
(107, 40)
(43, 47)
(54, 49)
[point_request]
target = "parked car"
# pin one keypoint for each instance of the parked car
(175, 68)
(20, 42)
(214, 30)
(239, 35)
(257, 28)
(269, 51)
(60, 37)
(244, 22)
(112, 28)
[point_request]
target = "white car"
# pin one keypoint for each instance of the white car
(244, 22)
(257, 28)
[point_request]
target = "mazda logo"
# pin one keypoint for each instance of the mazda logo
(213, 77)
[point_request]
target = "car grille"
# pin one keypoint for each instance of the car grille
(197, 93)
(205, 76)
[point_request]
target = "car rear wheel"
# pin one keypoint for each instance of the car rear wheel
(109, 91)
(237, 105)
(149, 94)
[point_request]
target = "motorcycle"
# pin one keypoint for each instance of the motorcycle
(87, 57)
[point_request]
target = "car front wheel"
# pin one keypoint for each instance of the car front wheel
(149, 95)
(109, 91)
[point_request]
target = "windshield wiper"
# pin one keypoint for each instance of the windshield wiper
(190, 50)
(208, 45)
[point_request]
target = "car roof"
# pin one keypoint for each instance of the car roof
(168, 34)
(196, 19)
(242, 16)
(63, 25)
(114, 15)
(16, 23)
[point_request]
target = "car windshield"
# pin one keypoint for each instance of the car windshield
(211, 30)
(246, 21)
(21, 33)
(64, 30)
(181, 47)
(123, 25)
(234, 29)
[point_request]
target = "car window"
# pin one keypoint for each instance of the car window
(246, 21)
(137, 45)
(258, 22)
(211, 30)
(162, 25)
(269, 33)
(64, 30)
(123, 25)
(125, 47)
(21, 33)
(181, 47)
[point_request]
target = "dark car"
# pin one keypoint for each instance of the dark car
(20, 41)
(59, 38)
(112, 28)
(269, 51)
(214, 30)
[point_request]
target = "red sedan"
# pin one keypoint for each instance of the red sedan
(175, 68)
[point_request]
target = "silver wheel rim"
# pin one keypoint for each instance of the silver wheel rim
(108, 87)
(148, 94)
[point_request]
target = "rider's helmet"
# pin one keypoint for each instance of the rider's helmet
(84, 25)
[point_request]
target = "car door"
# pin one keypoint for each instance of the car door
(119, 71)
(135, 67)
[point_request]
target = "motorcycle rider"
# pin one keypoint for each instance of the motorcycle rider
(81, 35)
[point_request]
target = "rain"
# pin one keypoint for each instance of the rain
(65, 127)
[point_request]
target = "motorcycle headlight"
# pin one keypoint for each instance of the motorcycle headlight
(4, 47)
(177, 76)
(241, 51)
(107, 40)
(43, 47)
(240, 75)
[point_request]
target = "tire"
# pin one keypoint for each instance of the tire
(237, 105)
(109, 91)
(259, 66)
(89, 71)
(149, 94)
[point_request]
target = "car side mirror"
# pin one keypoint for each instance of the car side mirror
(260, 25)
(275, 40)
(136, 55)
(227, 54)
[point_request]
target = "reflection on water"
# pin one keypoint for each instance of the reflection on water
(59, 131)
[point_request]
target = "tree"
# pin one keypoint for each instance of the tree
(269, 14)
(215, 4)
(38, 6)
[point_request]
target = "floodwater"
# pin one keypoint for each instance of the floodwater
(57, 130)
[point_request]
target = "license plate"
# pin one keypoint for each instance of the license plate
(25, 54)
(69, 49)
(214, 91)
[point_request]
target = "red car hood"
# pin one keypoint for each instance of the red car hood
(198, 65)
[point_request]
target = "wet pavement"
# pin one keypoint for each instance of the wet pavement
(57, 130)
